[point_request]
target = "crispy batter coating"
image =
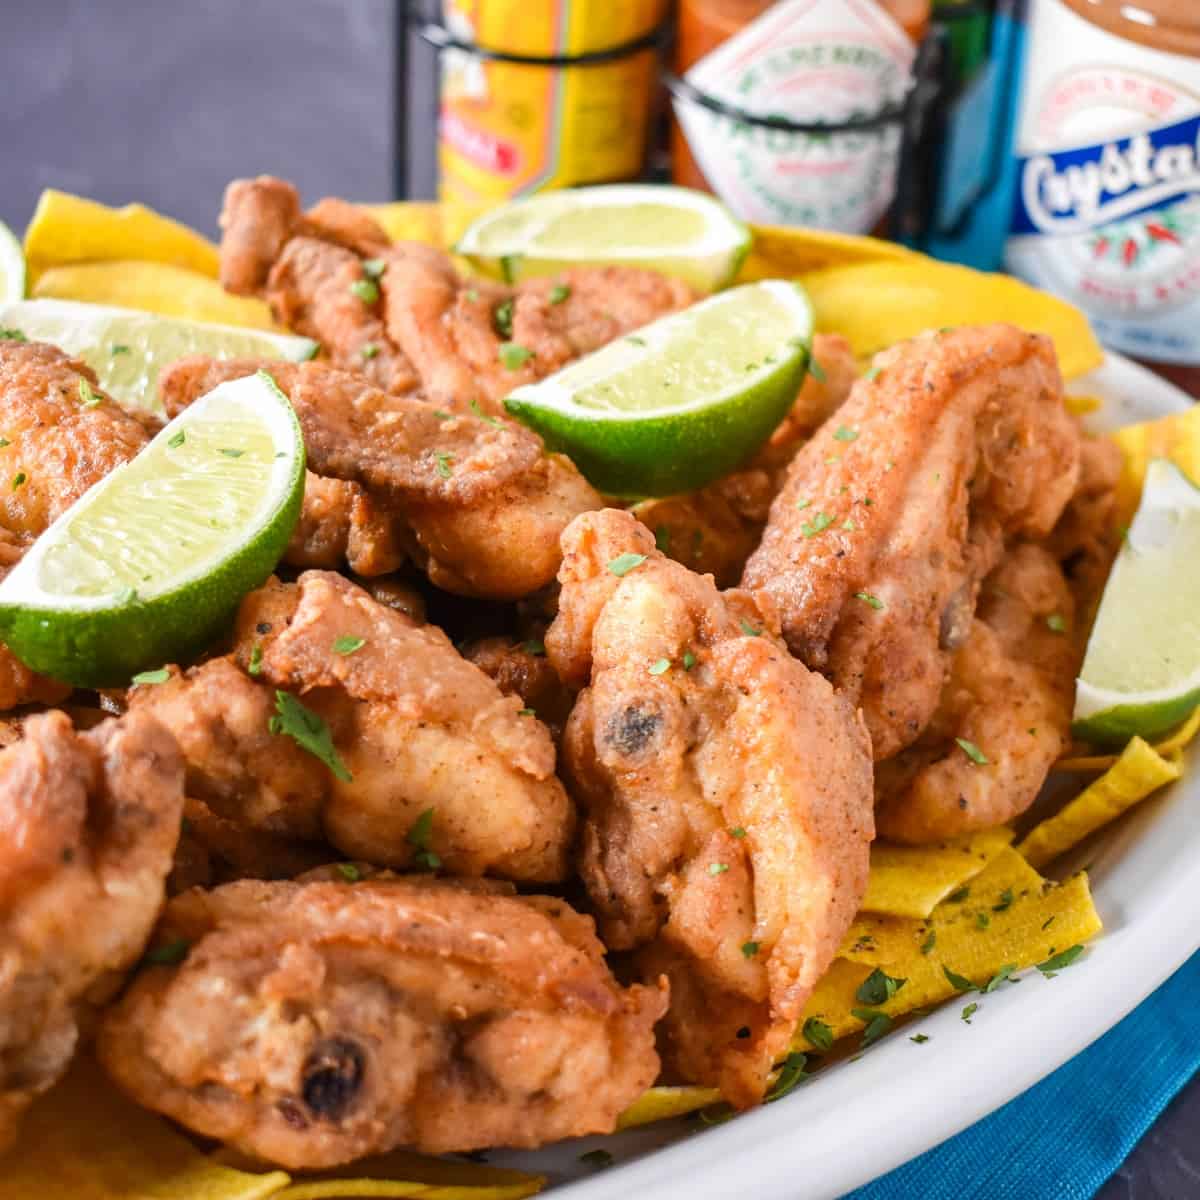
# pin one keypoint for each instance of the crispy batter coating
(483, 504)
(522, 669)
(890, 517)
(88, 825)
(727, 792)
(312, 1024)
(1009, 695)
(341, 523)
(418, 727)
(258, 218)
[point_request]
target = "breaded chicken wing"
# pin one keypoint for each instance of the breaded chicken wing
(312, 1024)
(1009, 699)
(727, 792)
(956, 444)
(88, 826)
(482, 503)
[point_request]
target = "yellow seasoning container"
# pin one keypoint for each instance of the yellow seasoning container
(508, 128)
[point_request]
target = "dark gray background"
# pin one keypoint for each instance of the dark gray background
(165, 102)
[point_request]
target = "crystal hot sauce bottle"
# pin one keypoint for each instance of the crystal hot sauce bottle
(808, 61)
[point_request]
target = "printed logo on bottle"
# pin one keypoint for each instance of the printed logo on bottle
(806, 60)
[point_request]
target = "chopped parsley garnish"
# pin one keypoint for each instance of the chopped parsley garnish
(87, 396)
(717, 868)
(791, 1075)
(484, 416)
(660, 666)
(1057, 623)
(737, 831)
(308, 731)
(597, 1158)
(534, 647)
(527, 712)
(873, 373)
(816, 370)
(624, 563)
(958, 895)
(1005, 901)
(118, 348)
(18, 479)
(968, 1012)
(370, 350)
(349, 872)
(844, 434)
(559, 292)
(177, 439)
(420, 837)
(229, 452)
(1003, 975)
(689, 660)
(1056, 962)
(159, 676)
(502, 316)
(254, 666)
(982, 920)
(1047, 923)
(877, 1024)
(347, 644)
(472, 295)
(12, 335)
(878, 988)
(634, 340)
(867, 598)
(367, 290)
(4, 442)
(957, 981)
(803, 504)
(848, 524)
(443, 415)
(443, 464)
(373, 268)
(929, 942)
(513, 355)
(811, 528)
(919, 1038)
(169, 954)
(749, 949)
(749, 629)
(973, 752)
(818, 1034)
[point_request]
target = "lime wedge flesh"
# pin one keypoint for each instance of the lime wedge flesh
(684, 400)
(149, 564)
(1141, 674)
(12, 268)
(127, 348)
(676, 231)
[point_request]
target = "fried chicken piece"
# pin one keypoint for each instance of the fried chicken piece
(1010, 695)
(341, 523)
(522, 669)
(483, 504)
(728, 798)
(88, 825)
(258, 218)
(312, 1024)
(715, 530)
(891, 516)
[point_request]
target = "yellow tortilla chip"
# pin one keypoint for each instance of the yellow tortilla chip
(1139, 771)
(1176, 437)
(154, 287)
(779, 252)
(70, 229)
(85, 1141)
(1010, 916)
(1080, 406)
(403, 1174)
(405, 221)
(876, 304)
(663, 1103)
(908, 881)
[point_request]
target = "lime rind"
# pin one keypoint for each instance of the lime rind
(103, 638)
(12, 267)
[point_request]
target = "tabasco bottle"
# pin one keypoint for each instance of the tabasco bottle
(807, 61)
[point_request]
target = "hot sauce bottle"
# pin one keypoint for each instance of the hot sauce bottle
(808, 61)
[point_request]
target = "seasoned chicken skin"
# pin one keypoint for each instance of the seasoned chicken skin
(481, 503)
(727, 792)
(88, 825)
(315, 1023)
(956, 444)
(1009, 696)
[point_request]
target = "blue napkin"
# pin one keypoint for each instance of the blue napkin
(1096, 1107)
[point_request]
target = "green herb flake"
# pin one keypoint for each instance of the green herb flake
(738, 832)
(878, 988)
(844, 434)
(4, 442)
(348, 871)
(816, 370)
(119, 348)
(958, 982)
(169, 954)
(929, 942)
(818, 1034)
(502, 318)
(472, 295)
(443, 464)
(660, 666)
(1005, 901)
(1047, 923)
(535, 647)
(229, 452)
(597, 1158)
(791, 1075)
(919, 1038)
(18, 479)
(973, 752)
(308, 731)
(1003, 975)
(1056, 962)
(159, 676)
(877, 1024)
(366, 290)
(443, 415)
(689, 660)
(624, 563)
(1057, 623)
(717, 868)
(513, 356)
(177, 439)
(559, 292)
(873, 373)
(485, 416)
(867, 598)
(820, 522)
(348, 644)
(802, 504)
(527, 712)
(633, 340)
(12, 335)
(370, 350)
(982, 920)
(87, 396)
(254, 666)
(968, 1012)
(420, 838)
(958, 895)
(748, 629)
(662, 539)
(749, 949)
(373, 268)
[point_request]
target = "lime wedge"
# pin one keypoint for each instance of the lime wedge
(127, 348)
(149, 564)
(1141, 674)
(669, 229)
(12, 267)
(684, 400)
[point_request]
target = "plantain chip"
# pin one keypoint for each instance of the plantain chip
(1176, 437)
(85, 1141)
(1080, 406)
(71, 229)
(1139, 771)
(1010, 917)
(780, 252)
(154, 287)
(410, 221)
(663, 1103)
(908, 881)
(875, 304)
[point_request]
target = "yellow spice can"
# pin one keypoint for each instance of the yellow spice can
(512, 127)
